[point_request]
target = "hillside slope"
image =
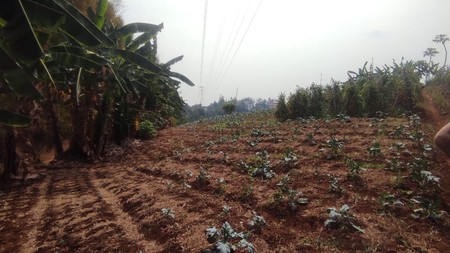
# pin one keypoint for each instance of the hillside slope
(238, 169)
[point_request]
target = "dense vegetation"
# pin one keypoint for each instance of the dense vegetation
(88, 78)
(391, 89)
(368, 92)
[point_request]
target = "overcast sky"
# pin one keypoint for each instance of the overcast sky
(289, 43)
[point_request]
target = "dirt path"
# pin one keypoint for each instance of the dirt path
(433, 116)
(436, 121)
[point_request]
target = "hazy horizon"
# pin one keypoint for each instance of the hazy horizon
(289, 43)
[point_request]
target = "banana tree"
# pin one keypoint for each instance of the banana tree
(20, 53)
(101, 69)
(129, 80)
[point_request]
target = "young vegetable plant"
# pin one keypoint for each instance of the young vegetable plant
(203, 177)
(335, 148)
(355, 169)
(261, 168)
(417, 135)
(375, 149)
(225, 211)
(285, 193)
(227, 240)
(389, 202)
(429, 208)
(310, 139)
(247, 191)
(341, 219)
(256, 132)
(394, 165)
(381, 115)
(257, 223)
(290, 159)
(335, 185)
(343, 118)
(398, 133)
(418, 170)
(222, 185)
(168, 214)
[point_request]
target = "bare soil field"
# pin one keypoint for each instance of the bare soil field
(275, 182)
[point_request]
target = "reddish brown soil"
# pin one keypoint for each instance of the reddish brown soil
(115, 205)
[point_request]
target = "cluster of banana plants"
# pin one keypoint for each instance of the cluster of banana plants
(104, 75)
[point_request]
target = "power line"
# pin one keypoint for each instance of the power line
(240, 43)
(203, 50)
(203, 40)
(216, 49)
(220, 72)
(226, 46)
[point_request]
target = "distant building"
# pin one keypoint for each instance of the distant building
(273, 103)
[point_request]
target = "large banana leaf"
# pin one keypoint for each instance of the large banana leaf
(79, 27)
(141, 39)
(119, 81)
(17, 36)
(44, 17)
(91, 14)
(171, 62)
(18, 80)
(79, 51)
(68, 59)
(132, 28)
(136, 59)
(182, 78)
(145, 50)
(21, 84)
(142, 88)
(8, 118)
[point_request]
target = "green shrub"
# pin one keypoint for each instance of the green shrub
(229, 108)
(147, 130)
(282, 112)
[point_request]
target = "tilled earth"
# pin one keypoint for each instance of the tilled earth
(197, 169)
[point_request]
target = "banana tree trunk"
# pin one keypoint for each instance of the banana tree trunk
(77, 138)
(100, 123)
(10, 159)
(50, 108)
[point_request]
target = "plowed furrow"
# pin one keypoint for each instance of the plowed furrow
(16, 216)
(77, 216)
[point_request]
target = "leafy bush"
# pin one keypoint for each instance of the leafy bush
(229, 108)
(147, 130)
(282, 112)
